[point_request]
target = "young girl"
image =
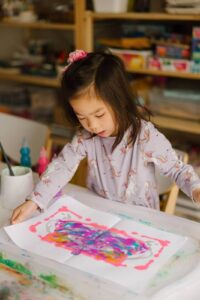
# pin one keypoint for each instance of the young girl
(122, 148)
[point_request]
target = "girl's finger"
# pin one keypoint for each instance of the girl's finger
(15, 216)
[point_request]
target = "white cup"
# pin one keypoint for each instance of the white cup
(15, 189)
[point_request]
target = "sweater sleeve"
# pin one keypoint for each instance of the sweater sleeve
(158, 150)
(59, 172)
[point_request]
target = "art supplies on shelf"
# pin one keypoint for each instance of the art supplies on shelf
(133, 59)
(169, 64)
(195, 67)
(173, 51)
(129, 43)
(196, 44)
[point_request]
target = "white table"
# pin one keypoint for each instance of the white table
(181, 278)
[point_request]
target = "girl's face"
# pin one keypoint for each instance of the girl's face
(94, 114)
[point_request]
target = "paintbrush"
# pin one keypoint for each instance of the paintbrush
(6, 160)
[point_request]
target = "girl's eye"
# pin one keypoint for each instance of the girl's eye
(99, 116)
(81, 119)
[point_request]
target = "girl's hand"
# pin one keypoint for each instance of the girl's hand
(23, 211)
(196, 195)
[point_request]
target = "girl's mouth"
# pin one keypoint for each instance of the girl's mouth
(102, 133)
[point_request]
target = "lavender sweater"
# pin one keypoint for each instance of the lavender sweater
(126, 175)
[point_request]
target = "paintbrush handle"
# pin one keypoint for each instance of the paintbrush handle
(6, 160)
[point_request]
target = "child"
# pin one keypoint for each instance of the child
(121, 147)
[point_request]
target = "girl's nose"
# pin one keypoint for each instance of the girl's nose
(92, 126)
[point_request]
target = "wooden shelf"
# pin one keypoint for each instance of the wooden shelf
(7, 22)
(91, 17)
(166, 73)
(143, 16)
(22, 78)
(77, 27)
(177, 124)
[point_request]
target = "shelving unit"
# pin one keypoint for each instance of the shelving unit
(142, 16)
(91, 17)
(7, 22)
(76, 27)
(83, 29)
(35, 80)
(166, 73)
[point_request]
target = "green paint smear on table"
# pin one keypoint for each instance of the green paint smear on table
(50, 279)
(145, 222)
(52, 282)
(15, 265)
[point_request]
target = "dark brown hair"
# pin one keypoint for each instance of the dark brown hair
(108, 75)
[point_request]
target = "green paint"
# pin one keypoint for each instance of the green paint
(145, 222)
(14, 265)
(50, 279)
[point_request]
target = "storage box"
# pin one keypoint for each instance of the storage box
(169, 64)
(175, 103)
(113, 6)
(173, 51)
(177, 65)
(133, 59)
(154, 63)
(195, 67)
(196, 44)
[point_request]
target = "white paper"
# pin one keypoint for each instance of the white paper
(126, 252)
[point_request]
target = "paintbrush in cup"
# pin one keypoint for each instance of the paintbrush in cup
(6, 160)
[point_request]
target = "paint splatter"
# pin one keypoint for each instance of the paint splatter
(14, 265)
(17, 282)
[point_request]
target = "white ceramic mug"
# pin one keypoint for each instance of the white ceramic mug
(15, 189)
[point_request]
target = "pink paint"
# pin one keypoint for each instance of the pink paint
(163, 243)
(63, 209)
(144, 267)
(88, 219)
(32, 228)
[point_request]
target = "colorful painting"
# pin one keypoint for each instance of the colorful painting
(124, 251)
(108, 246)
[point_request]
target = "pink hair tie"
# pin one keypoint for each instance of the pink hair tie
(75, 56)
